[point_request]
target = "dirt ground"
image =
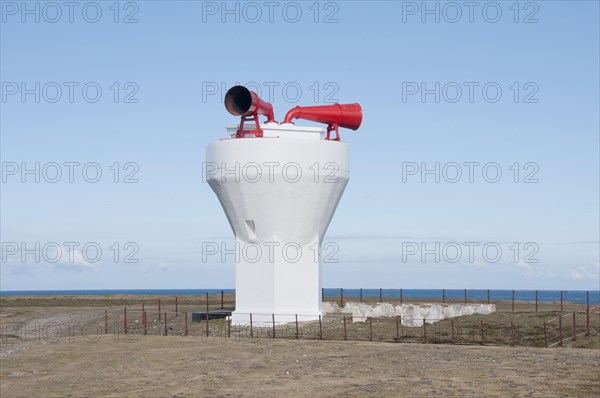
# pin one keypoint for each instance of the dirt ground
(165, 366)
(178, 366)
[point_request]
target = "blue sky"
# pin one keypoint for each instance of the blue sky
(170, 70)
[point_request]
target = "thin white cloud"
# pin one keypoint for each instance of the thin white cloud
(585, 272)
(575, 274)
(162, 267)
(522, 265)
(71, 258)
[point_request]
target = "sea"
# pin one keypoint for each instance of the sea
(573, 296)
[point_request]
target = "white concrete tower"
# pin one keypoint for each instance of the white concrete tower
(279, 186)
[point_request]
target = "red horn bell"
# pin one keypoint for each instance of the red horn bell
(239, 101)
(337, 115)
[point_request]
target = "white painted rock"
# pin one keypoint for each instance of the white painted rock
(411, 315)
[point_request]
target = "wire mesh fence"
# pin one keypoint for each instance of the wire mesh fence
(532, 323)
(548, 333)
(511, 300)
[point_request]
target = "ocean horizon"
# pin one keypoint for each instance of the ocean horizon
(574, 296)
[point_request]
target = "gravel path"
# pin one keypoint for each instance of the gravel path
(20, 333)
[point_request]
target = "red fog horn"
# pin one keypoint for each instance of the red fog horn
(239, 101)
(337, 115)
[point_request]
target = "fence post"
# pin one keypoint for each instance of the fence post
(443, 296)
(320, 329)
(488, 296)
(251, 334)
(397, 329)
(186, 323)
(513, 301)
(465, 296)
(561, 301)
(400, 296)
(536, 301)
(105, 321)
(143, 307)
(345, 331)
(370, 328)
(545, 336)
(125, 320)
(587, 313)
(481, 330)
(452, 331)
(273, 316)
(361, 294)
(560, 335)
(341, 296)
(206, 317)
(297, 331)
(587, 321)
(145, 321)
(176, 307)
(221, 299)
(512, 334)
(165, 323)
(424, 332)
(380, 295)
(574, 327)
(159, 316)
(229, 327)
